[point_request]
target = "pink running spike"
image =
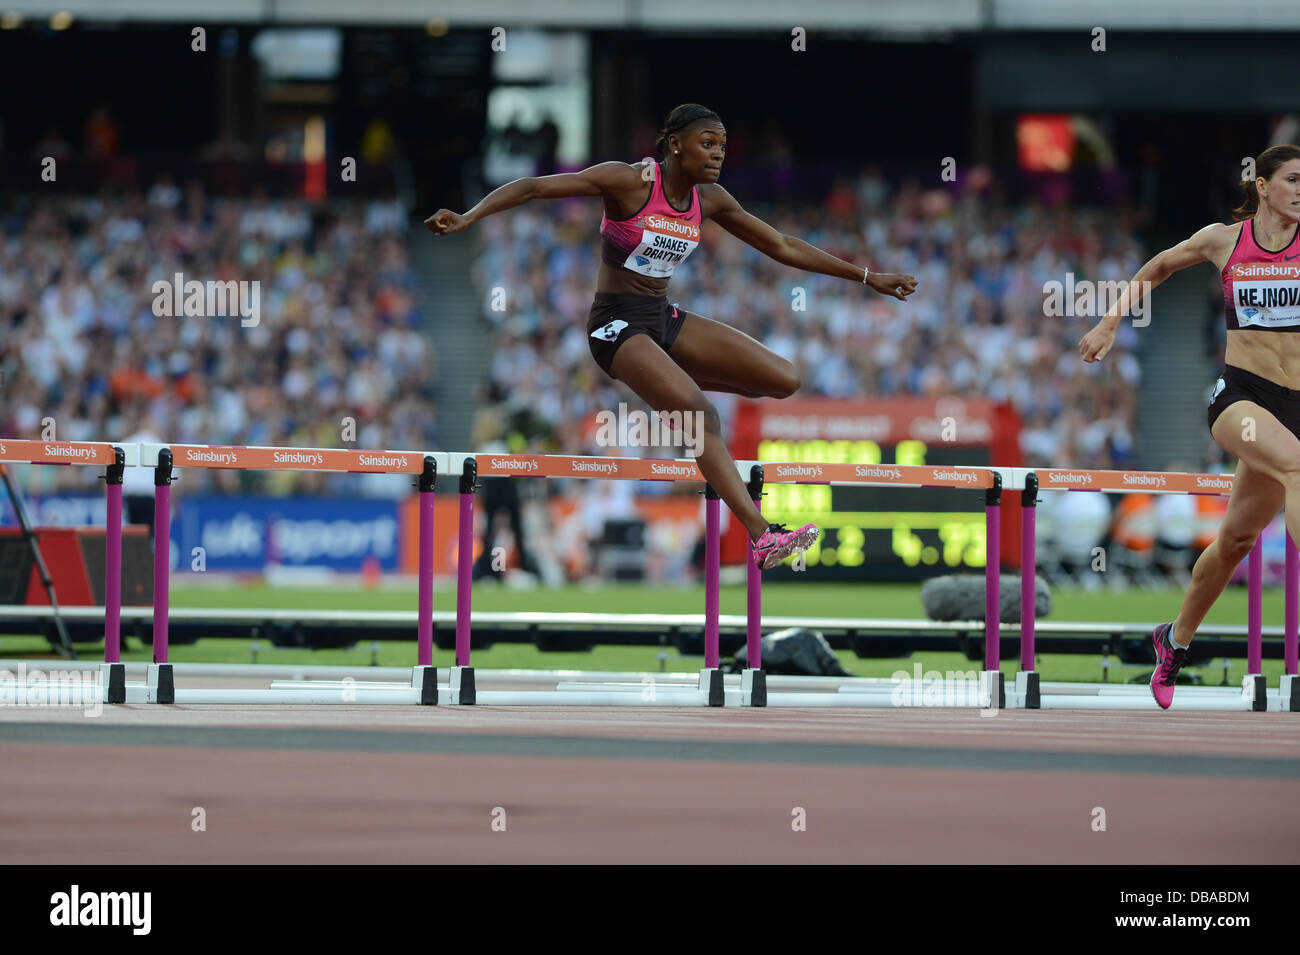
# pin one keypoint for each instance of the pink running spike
(1168, 662)
(778, 543)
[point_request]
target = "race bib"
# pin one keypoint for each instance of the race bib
(664, 244)
(1266, 294)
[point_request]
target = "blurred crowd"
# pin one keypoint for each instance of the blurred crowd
(339, 336)
(977, 325)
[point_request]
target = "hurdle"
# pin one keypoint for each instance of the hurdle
(422, 687)
(114, 459)
(1254, 694)
(711, 689)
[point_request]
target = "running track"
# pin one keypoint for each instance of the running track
(357, 784)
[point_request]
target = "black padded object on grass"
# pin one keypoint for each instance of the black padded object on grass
(797, 651)
(961, 597)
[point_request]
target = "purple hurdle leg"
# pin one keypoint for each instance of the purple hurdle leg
(1255, 614)
(1027, 679)
(1292, 649)
(1289, 684)
(1256, 688)
(113, 673)
(462, 674)
(753, 608)
(711, 676)
(425, 626)
(711, 521)
(1028, 563)
(992, 567)
(753, 682)
(464, 570)
(162, 530)
(992, 677)
(161, 687)
(113, 565)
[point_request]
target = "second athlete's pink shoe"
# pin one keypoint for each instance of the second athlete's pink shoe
(778, 542)
(1168, 662)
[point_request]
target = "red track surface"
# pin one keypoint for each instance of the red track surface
(115, 801)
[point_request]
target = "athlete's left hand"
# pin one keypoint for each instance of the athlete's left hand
(892, 283)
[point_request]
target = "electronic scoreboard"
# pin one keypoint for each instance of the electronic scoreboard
(881, 532)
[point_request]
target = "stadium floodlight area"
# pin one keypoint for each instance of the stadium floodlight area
(422, 685)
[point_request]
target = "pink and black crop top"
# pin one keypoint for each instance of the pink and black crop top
(654, 240)
(1261, 288)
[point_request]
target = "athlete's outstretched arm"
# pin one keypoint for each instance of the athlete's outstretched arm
(795, 252)
(592, 181)
(1199, 247)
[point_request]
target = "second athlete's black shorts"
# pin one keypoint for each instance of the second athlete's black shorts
(616, 317)
(1237, 384)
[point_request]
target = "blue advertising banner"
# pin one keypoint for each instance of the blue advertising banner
(252, 533)
(57, 510)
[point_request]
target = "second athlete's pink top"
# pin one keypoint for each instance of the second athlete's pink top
(657, 238)
(1261, 288)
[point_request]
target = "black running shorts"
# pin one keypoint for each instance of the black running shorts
(616, 317)
(1237, 384)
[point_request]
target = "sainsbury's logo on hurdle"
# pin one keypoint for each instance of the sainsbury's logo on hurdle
(1144, 480)
(298, 457)
(1066, 477)
(209, 457)
(798, 470)
(515, 464)
(63, 451)
(638, 429)
(195, 299)
(876, 471)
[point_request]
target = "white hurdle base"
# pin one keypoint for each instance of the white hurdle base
(1289, 693)
(461, 686)
(160, 683)
(753, 688)
(414, 686)
(1137, 696)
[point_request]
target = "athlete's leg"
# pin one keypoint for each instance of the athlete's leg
(660, 383)
(1255, 501)
(721, 358)
(1268, 478)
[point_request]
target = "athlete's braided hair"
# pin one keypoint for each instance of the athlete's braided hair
(1269, 162)
(681, 117)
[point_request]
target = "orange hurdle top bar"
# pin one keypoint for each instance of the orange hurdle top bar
(593, 466)
(685, 469)
(1132, 482)
(289, 459)
(65, 452)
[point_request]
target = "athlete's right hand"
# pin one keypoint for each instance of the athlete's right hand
(1094, 345)
(445, 222)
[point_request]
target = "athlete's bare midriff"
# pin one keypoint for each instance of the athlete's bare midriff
(627, 282)
(621, 206)
(1271, 355)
